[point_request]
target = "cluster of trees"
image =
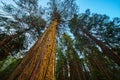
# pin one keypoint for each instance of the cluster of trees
(85, 57)
(92, 54)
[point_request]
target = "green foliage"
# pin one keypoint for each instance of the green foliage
(14, 46)
(23, 16)
(68, 60)
(7, 66)
(66, 40)
(103, 29)
(61, 9)
(99, 25)
(35, 21)
(30, 6)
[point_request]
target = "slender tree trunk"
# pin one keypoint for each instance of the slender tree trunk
(11, 37)
(39, 63)
(66, 70)
(106, 50)
(6, 51)
(78, 66)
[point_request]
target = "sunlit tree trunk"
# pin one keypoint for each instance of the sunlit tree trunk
(39, 63)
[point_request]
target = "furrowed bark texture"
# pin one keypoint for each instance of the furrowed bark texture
(39, 62)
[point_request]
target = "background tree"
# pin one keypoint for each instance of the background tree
(69, 64)
(21, 23)
(87, 28)
(84, 26)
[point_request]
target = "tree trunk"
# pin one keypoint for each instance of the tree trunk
(106, 50)
(11, 37)
(39, 63)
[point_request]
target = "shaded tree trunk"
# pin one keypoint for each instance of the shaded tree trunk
(106, 50)
(11, 37)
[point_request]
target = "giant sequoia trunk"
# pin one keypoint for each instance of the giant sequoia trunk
(106, 50)
(39, 63)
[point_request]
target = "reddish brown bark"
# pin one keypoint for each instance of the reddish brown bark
(39, 63)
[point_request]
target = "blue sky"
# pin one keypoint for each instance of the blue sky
(108, 7)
